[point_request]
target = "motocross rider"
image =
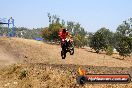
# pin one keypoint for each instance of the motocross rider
(64, 34)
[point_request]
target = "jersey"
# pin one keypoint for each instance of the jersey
(63, 35)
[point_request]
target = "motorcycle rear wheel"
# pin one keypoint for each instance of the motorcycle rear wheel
(72, 51)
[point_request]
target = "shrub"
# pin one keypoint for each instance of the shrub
(23, 73)
(109, 50)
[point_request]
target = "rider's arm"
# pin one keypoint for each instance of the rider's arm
(67, 33)
(60, 34)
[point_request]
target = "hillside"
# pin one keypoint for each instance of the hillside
(32, 51)
(43, 64)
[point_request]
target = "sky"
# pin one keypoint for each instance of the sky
(91, 14)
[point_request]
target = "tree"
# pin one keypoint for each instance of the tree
(79, 35)
(70, 26)
(46, 34)
(77, 41)
(125, 29)
(75, 30)
(124, 46)
(51, 32)
(101, 40)
(1, 30)
(54, 29)
(123, 38)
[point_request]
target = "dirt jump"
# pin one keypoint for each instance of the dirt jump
(44, 64)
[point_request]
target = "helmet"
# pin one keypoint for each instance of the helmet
(64, 30)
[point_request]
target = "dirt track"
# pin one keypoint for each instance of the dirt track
(43, 60)
(32, 51)
(6, 58)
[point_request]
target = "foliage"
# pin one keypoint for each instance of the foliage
(70, 26)
(3, 30)
(125, 29)
(54, 29)
(123, 38)
(23, 73)
(28, 33)
(78, 32)
(109, 50)
(51, 32)
(46, 34)
(101, 40)
(124, 46)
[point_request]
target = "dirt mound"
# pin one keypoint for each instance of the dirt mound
(31, 51)
(39, 65)
(6, 58)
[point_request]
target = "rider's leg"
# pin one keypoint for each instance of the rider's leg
(67, 45)
(61, 45)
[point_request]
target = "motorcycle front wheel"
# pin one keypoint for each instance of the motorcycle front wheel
(63, 54)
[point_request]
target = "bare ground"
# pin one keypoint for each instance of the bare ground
(43, 62)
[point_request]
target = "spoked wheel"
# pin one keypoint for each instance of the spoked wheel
(63, 54)
(64, 50)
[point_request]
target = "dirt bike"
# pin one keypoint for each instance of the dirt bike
(70, 47)
(66, 47)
